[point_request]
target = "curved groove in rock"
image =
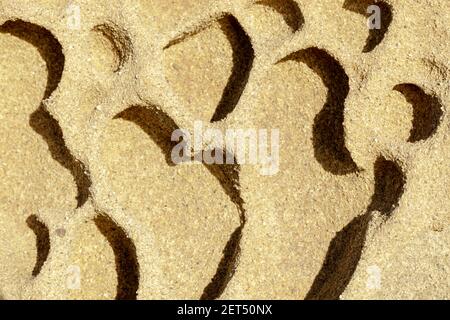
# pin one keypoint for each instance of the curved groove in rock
(289, 9)
(427, 111)
(243, 56)
(228, 176)
(344, 251)
(48, 128)
(156, 124)
(127, 265)
(376, 36)
(47, 45)
(195, 30)
(328, 130)
(42, 242)
(389, 186)
(226, 268)
(41, 120)
(119, 40)
(159, 126)
(343, 255)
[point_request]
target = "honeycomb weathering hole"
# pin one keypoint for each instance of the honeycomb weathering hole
(376, 36)
(243, 56)
(40, 120)
(328, 130)
(205, 216)
(343, 255)
(127, 265)
(45, 42)
(427, 111)
(242, 62)
(289, 9)
(158, 126)
(155, 123)
(119, 41)
(48, 128)
(36, 180)
(344, 251)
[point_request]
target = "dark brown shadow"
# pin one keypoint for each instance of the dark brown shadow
(376, 36)
(156, 124)
(427, 111)
(243, 56)
(346, 247)
(48, 128)
(290, 11)
(341, 261)
(127, 266)
(47, 45)
(226, 268)
(328, 130)
(159, 127)
(389, 186)
(228, 177)
(41, 121)
(42, 242)
(119, 40)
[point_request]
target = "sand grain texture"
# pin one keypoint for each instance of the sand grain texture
(92, 206)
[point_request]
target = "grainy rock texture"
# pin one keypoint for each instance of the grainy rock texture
(93, 207)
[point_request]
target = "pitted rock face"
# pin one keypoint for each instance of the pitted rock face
(94, 207)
